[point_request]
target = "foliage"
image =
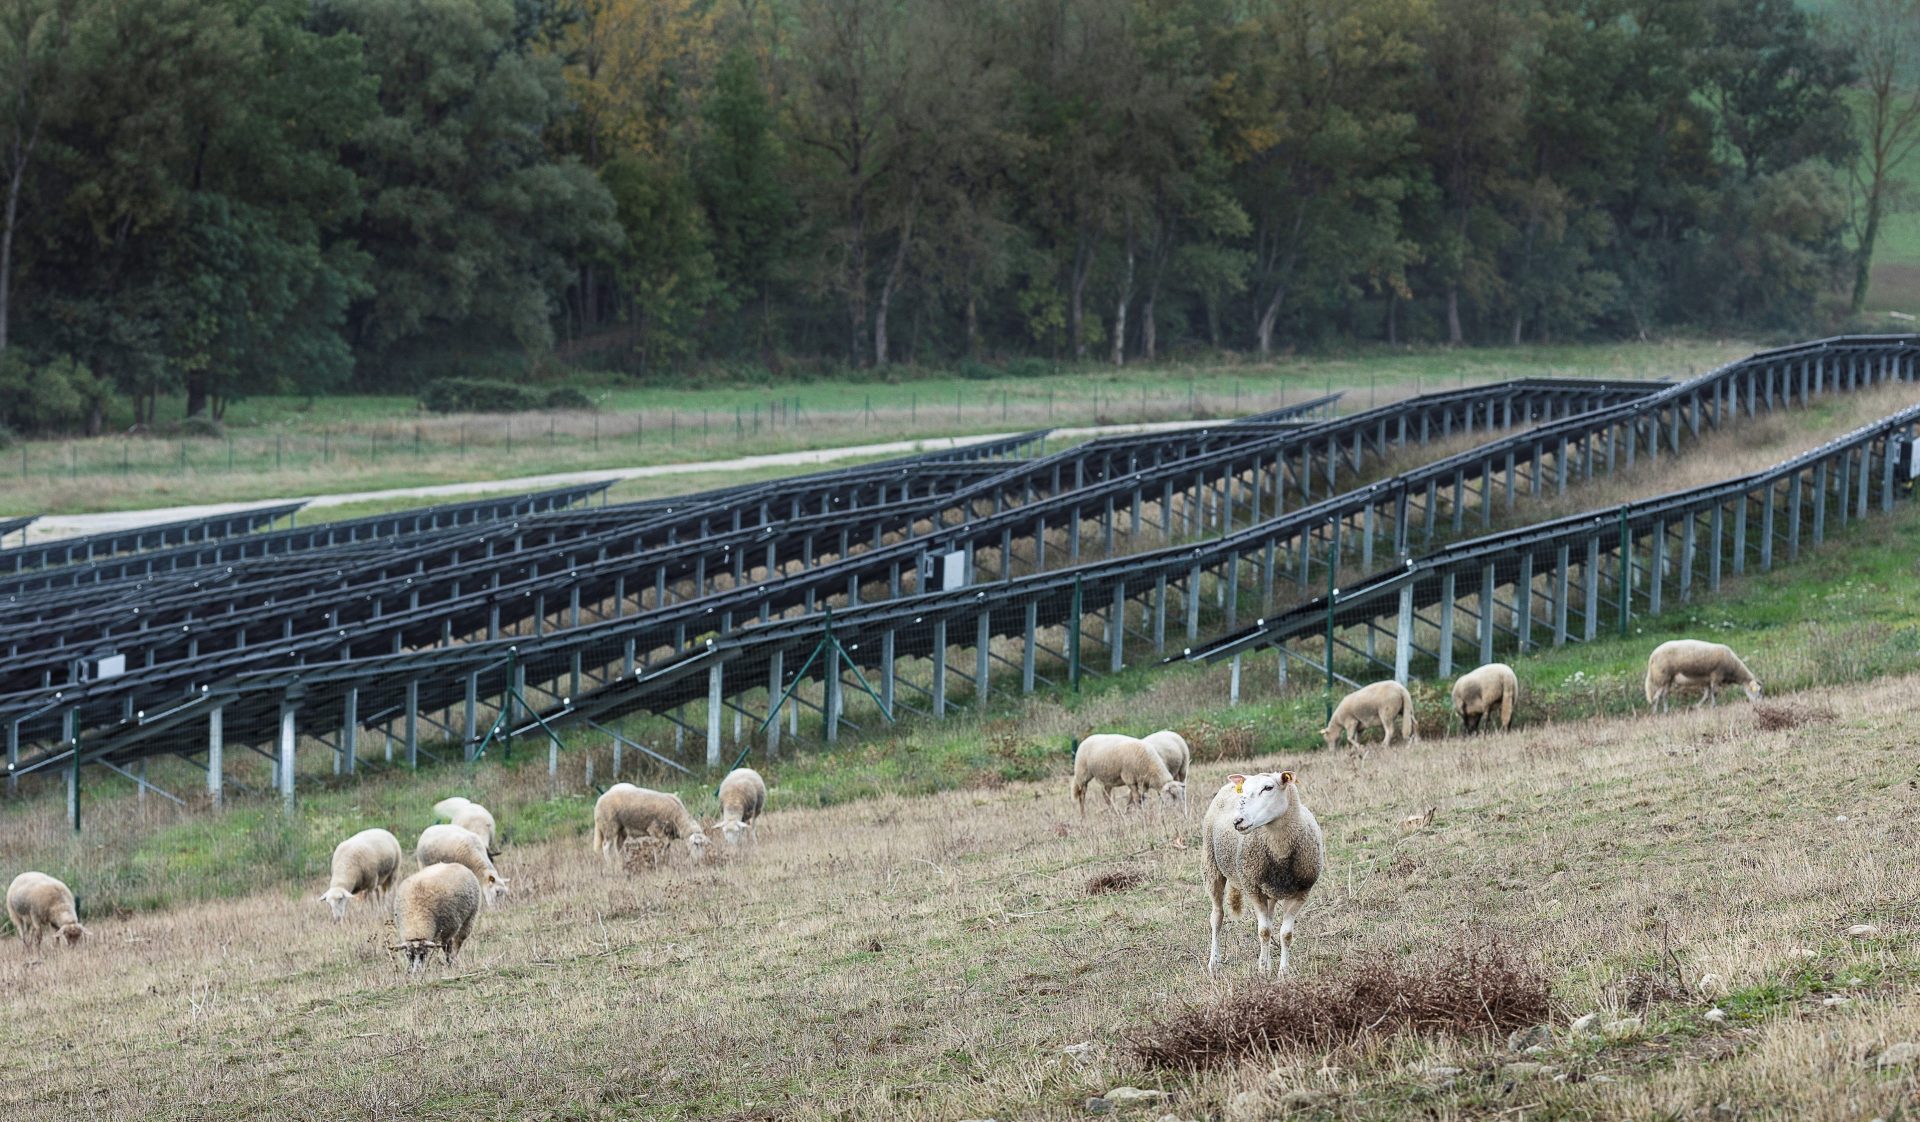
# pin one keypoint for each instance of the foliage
(478, 395)
(60, 395)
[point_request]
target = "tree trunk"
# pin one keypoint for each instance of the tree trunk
(1076, 294)
(973, 328)
(1862, 262)
(857, 282)
(891, 286)
(197, 393)
(1270, 317)
(22, 153)
(1454, 334)
(1393, 318)
(1213, 321)
(1120, 305)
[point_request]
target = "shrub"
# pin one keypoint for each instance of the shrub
(59, 395)
(976, 371)
(1115, 880)
(1028, 366)
(1482, 989)
(566, 397)
(478, 395)
(7, 436)
(201, 426)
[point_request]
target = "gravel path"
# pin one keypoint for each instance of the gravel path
(72, 525)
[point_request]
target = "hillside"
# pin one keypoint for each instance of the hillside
(930, 957)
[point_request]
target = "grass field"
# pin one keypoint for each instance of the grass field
(295, 446)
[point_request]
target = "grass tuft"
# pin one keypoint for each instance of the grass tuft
(1115, 880)
(1774, 717)
(1475, 990)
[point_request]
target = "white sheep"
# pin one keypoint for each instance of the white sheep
(1381, 702)
(1493, 688)
(37, 904)
(1262, 842)
(743, 795)
(462, 811)
(1690, 662)
(435, 908)
(626, 812)
(1122, 761)
(365, 863)
(1173, 751)
(458, 845)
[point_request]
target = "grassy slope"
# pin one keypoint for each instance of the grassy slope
(287, 446)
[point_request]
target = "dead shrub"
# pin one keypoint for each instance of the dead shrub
(1114, 880)
(1481, 989)
(1212, 743)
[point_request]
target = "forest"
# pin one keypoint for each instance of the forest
(219, 198)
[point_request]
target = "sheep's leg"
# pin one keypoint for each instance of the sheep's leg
(1263, 912)
(1217, 888)
(1386, 730)
(1288, 909)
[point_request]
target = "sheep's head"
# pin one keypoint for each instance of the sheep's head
(1176, 792)
(1753, 689)
(72, 933)
(1330, 734)
(496, 887)
(1263, 798)
(336, 898)
(732, 830)
(417, 951)
(697, 846)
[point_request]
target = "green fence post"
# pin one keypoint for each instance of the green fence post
(1073, 638)
(1626, 571)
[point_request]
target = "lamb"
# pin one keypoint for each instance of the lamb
(1478, 695)
(1122, 761)
(37, 904)
(465, 812)
(457, 845)
(743, 794)
(365, 863)
(1262, 842)
(1690, 662)
(435, 907)
(1173, 751)
(1382, 702)
(627, 812)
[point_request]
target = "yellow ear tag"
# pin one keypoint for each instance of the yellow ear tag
(1238, 787)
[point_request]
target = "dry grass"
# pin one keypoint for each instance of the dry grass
(929, 958)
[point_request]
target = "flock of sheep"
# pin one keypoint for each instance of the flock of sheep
(1259, 840)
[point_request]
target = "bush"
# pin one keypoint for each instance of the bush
(976, 371)
(7, 436)
(1474, 990)
(1028, 366)
(478, 395)
(566, 397)
(200, 426)
(59, 395)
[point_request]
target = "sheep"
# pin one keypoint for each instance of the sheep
(1382, 702)
(365, 863)
(1478, 695)
(1690, 662)
(1122, 761)
(627, 812)
(435, 907)
(743, 794)
(1260, 841)
(465, 812)
(1173, 751)
(37, 904)
(458, 845)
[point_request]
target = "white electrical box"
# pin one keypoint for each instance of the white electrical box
(953, 569)
(112, 666)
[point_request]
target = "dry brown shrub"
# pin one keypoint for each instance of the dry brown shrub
(1211, 742)
(1775, 716)
(1481, 989)
(1114, 880)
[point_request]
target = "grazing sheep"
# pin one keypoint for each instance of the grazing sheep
(365, 863)
(435, 907)
(1173, 751)
(1262, 842)
(1382, 702)
(458, 845)
(743, 794)
(37, 904)
(627, 812)
(1490, 689)
(462, 811)
(1690, 662)
(1121, 761)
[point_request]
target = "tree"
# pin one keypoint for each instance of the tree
(34, 38)
(737, 175)
(1885, 38)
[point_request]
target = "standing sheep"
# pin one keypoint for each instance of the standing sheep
(628, 812)
(1382, 702)
(743, 794)
(435, 907)
(1493, 688)
(37, 904)
(457, 845)
(1690, 662)
(462, 811)
(1121, 761)
(1173, 751)
(1262, 842)
(365, 863)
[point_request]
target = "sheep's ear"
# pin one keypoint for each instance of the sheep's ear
(1238, 782)
(1286, 777)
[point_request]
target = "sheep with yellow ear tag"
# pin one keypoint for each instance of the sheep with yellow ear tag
(1261, 843)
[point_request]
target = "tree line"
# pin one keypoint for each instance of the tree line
(224, 197)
